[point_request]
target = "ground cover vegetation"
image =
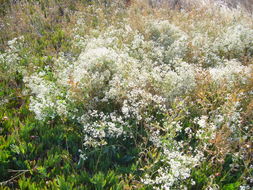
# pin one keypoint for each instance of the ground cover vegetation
(125, 95)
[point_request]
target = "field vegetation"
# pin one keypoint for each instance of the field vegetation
(125, 95)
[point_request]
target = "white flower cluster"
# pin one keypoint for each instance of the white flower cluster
(235, 42)
(176, 168)
(10, 60)
(169, 43)
(230, 71)
(48, 100)
(104, 126)
(206, 131)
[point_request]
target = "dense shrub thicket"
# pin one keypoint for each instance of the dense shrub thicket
(99, 95)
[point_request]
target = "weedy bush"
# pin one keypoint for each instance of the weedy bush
(131, 98)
